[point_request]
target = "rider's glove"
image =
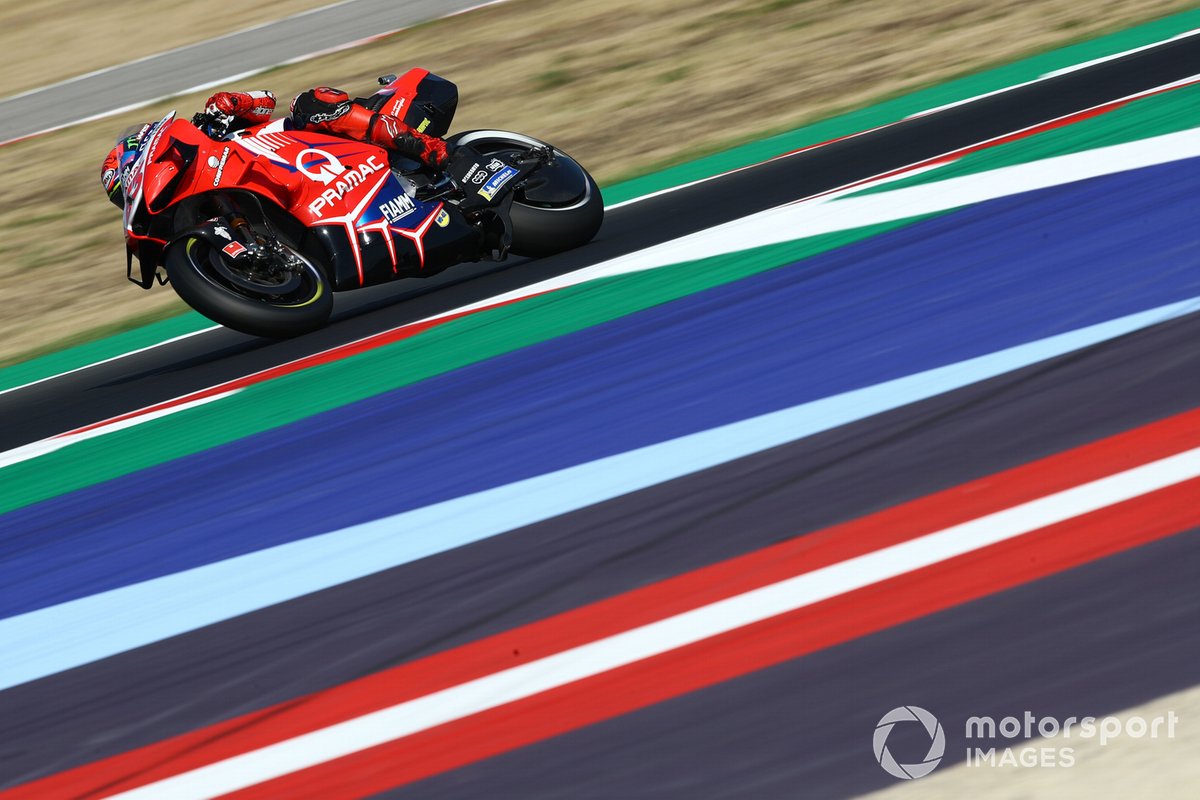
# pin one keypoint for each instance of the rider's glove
(247, 106)
(388, 131)
(223, 109)
(430, 150)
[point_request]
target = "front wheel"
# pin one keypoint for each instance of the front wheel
(274, 292)
(558, 207)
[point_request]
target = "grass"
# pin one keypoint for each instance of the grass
(673, 75)
(552, 79)
(91, 334)
(624, 85)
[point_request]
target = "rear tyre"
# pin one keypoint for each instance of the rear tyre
(558, 208)
(277, 298)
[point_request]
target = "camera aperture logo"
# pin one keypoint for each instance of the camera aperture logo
(1020, 742)
(937, 742)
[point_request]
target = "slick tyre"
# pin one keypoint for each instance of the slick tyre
(286, 299)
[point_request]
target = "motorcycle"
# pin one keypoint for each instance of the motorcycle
(258, 229)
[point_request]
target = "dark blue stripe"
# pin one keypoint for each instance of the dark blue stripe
(992, 276)
(1092, 641)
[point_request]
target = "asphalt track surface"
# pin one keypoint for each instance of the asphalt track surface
(204, 63)
(210, 358)
(798, 729)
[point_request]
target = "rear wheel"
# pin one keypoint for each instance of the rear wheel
(558, 208)
(272, 291)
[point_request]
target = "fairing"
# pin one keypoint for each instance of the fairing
(344, 192)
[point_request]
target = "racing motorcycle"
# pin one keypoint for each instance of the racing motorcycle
(256, 230)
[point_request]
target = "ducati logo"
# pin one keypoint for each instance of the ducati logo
(328, 166)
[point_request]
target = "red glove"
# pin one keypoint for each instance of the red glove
(250, 107)
(429, 149)
(391, 132)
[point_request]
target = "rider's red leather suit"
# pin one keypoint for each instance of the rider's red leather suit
(332, 111)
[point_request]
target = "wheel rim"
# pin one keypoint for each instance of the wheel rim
(285, 280)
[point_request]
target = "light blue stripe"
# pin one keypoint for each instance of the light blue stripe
(60, 637)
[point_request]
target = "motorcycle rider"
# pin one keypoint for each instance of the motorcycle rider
(321, 109)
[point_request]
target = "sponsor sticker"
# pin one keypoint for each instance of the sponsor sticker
(497, 181)
(442, 220)
(339, 179)
(395, 210)
(131, 177)
(328, 165)
(220, 165)
(233, 249)
(266, 143)
(329, 116)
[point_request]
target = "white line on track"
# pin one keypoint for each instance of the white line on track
(152, 56)
(117, 357)
(1122, 54)
(219, 81)
(46, 446)
(603, 655)
(1055, 73)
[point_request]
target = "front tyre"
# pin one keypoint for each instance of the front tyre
(279, 295)
(558, 208)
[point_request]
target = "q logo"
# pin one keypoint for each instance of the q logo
(937, 743)
(328, 165)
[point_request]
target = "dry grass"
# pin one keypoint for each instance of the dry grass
(49, 40)
(621, 84)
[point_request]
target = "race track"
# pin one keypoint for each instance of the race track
(206, 63)
(697, 451)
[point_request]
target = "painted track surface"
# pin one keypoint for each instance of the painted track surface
(559, 564)
(806, 721)
(203, 63)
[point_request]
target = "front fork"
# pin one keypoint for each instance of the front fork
(228, 209)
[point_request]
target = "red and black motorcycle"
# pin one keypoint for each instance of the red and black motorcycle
(257, 230)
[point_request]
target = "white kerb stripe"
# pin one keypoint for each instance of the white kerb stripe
(45, 446)
(456, 702)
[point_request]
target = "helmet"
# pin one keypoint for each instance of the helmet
(119, 160)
